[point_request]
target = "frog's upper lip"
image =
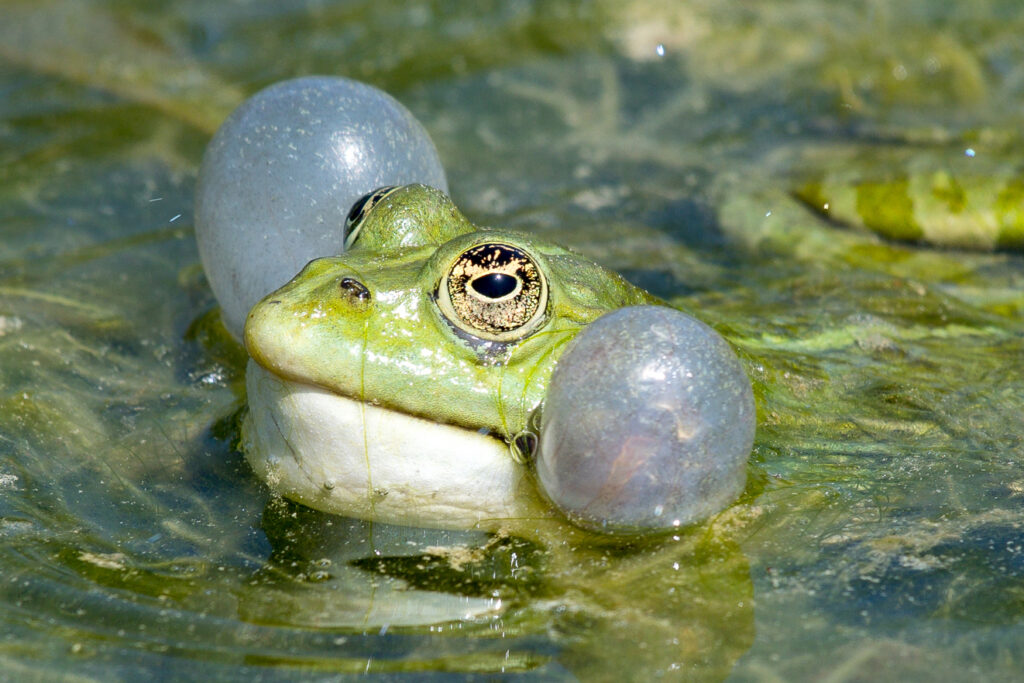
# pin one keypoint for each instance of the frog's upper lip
(276, 348)
(271, 345)
(282, 373)
(255, 335)
(264, 352)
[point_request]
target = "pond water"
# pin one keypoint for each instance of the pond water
(881, 534)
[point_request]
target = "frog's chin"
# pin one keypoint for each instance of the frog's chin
(350, 458)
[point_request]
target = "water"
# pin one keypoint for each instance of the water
(880, 534)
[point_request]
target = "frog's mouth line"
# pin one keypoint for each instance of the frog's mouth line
(268, 364)
(339, 455)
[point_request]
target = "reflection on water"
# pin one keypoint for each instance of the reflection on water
(881, 532)
(683, 603)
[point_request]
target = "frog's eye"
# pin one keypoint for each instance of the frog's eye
(363, 206)
(494, 291)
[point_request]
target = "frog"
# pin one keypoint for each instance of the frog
(401, 381)
(949, 196)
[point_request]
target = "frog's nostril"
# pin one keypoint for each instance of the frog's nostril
(354, 289)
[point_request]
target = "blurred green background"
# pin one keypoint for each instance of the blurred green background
(881, 535)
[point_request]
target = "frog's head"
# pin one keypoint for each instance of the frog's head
(446, 332)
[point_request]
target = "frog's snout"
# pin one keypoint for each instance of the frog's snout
(354, 290)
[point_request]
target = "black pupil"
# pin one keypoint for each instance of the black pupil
(367, 199)
(494, 285)
(358, 206)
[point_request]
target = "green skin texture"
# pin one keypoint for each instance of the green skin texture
(937, 198)
(396, 348)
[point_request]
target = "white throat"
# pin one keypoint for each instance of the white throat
(349, 458)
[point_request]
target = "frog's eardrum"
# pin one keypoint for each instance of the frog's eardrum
(280, 176)
(647, 424)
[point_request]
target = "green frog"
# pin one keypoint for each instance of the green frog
(400, 381)
(944, 196)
